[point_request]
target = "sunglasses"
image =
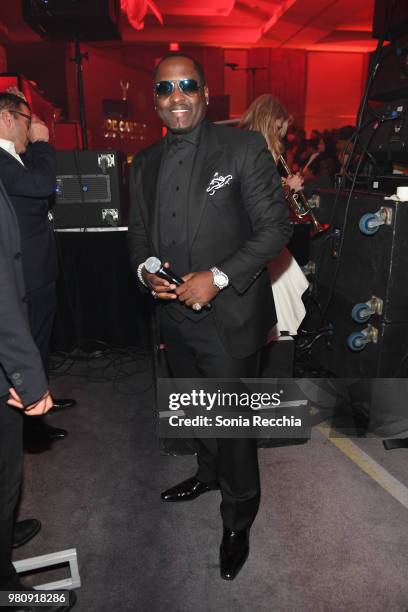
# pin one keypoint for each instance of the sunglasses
(23, 115)
(166, 88)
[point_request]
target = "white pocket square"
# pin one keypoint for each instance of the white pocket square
(218, 182)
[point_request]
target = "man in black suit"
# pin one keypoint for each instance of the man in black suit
(207, 200)
(27, 169)
(22, 376)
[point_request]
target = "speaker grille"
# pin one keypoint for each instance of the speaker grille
(83, 188)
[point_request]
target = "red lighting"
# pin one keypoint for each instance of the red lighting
(209, 8)
(136, 11)
(174, 46)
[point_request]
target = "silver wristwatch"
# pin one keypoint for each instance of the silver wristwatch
(220, 280)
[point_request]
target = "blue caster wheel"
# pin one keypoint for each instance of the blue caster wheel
(356, 341)
(360, 313)
(364, 224)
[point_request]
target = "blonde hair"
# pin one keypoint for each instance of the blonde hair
(267, 115)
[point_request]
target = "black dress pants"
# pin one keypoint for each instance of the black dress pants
(11, 470)
(194, 350)
(42, 305)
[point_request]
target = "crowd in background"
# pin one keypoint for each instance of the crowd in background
(319, 157)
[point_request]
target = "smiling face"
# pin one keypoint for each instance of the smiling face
(180, 112)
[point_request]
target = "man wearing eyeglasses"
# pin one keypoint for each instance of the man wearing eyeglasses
(207, 201)
(27, 169)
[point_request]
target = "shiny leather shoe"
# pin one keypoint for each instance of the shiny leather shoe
(62, 404)
(234, 552)
(48, 432)
(55, 433)
(39, 436)
(24, 531)
(36, 426)
(187, 490)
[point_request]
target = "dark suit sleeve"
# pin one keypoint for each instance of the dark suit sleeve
(264, 202)
(19, 357)
(138, 242)
(36, 179)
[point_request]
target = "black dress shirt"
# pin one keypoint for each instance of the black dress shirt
(174, 182)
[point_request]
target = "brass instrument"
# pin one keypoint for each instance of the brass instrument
(300, 206)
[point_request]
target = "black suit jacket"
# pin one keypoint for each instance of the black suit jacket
(29, 188)
(20, 362)
(237, 220)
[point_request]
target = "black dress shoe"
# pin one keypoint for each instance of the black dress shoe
(234, 552)
(187, 490)
(38, 435)
(62, 404)
(55, 433)
(24, 531)
(37, 426)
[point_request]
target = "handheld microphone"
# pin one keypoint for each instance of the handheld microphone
(154, 266)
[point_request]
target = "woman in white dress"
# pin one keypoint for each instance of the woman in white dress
(267, 115)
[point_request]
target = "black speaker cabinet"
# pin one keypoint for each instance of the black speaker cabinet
(91, 190)
(390, 19)
(372, 267)
(387, 139)
(391, 78)
(68, 19)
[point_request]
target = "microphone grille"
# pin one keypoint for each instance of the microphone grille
(152, 265)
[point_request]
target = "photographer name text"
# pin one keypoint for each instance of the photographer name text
(254, 420)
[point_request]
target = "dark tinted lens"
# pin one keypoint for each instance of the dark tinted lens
(164, 88)
(189, 86)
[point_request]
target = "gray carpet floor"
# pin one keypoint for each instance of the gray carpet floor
(328, 538)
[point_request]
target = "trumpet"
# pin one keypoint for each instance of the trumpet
(300, 206)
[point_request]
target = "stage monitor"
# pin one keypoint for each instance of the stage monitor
(391, 78)
(70, 19)
(385, 134)
(390, 19)
(91, 190)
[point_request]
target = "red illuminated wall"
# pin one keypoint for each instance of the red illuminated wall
(44, 63)
(320, 89)
(279, 72)
(3, 59)
(285, 77)
(335, 83)
(235, 81)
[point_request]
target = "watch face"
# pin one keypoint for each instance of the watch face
(220, 280)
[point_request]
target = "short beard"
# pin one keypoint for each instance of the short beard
(180, 130)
